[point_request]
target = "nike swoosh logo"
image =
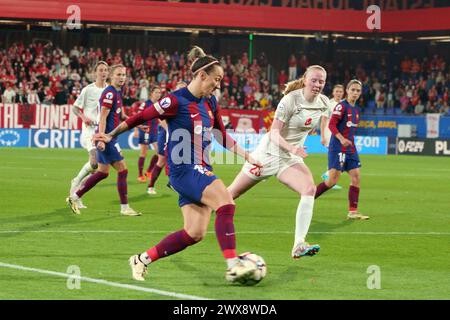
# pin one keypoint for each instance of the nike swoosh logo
(229, 234)
(194, 115)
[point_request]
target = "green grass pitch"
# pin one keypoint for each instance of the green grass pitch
(407, 237)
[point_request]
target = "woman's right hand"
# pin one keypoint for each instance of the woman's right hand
(345, 142)
(101, 146)
(299, 151)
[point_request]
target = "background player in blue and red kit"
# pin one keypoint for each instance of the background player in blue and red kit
(147, 134)
(342, 153)
(109, 154)
(191, 114)
(162, 150)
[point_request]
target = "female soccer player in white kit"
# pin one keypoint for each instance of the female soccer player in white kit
(86, 107)
(325, 133)
(281, 150)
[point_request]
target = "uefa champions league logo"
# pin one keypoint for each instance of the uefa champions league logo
(9, 138)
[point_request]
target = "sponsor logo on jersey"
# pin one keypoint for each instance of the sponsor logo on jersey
(118, 110)
(351, 124)
(308, 121)
(165, 103)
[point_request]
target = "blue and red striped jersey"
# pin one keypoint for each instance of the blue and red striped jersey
(191, 121)
(111, 99)
(345, 120)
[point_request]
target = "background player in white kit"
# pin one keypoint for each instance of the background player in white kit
(281, 150)
(86, 107)
(325, 133)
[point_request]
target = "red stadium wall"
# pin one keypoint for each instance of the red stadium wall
(221, 15)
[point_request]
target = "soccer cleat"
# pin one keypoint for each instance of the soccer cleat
(353, 215)
(148, 174)
(138, 269)
(240, 272)
(73, 205)
(80, 204)
(151, 190)
(129, 212)
(142, 179)
(303, 249)
(325, 176)
(336, 187)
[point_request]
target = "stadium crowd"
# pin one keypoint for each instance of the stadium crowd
(44, 73)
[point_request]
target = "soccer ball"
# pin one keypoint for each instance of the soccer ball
(259, 265)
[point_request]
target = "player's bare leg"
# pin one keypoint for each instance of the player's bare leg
(299, 178)
(241, 184)
(196, 221)
(353, 196)
(153, 161)
(333, 178)
(217, 197)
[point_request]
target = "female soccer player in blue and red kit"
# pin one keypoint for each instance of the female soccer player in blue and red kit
(109, 154)
(191, 114)
(342, 153)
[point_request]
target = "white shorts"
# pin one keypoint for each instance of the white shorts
(86, 139)
(272, 165)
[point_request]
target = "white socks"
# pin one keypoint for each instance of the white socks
(85, 171)
(124, 206)
(303, 218)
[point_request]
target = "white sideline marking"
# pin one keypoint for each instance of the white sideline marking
(242, 232)
(104, 282)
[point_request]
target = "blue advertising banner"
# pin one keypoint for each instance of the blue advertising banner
(14, 138)
(364, 144)
(45, 138)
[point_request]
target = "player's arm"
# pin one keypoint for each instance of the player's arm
(277, 139)
(337, 116)
(77, 108)
(227, 141)
(104, 112)
(165, 108)
(163, 123)
(323, 126)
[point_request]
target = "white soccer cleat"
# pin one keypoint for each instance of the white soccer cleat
(80, 204)
(138, 269)
(240, 272)
(151, 190)
(303, 249)
(352, 215)
(129, 212)
(73, 205)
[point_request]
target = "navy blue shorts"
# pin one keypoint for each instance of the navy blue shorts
(190, 183)
(343, 161)
(161, 141)
(147, 137)
(110, 154)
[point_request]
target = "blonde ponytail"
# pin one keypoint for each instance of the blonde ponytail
(294, 85)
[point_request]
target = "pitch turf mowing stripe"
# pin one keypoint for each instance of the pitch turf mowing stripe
(399, 233)
(104, 282)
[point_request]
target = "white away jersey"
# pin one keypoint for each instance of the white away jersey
(299, 117)
(88, 101)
